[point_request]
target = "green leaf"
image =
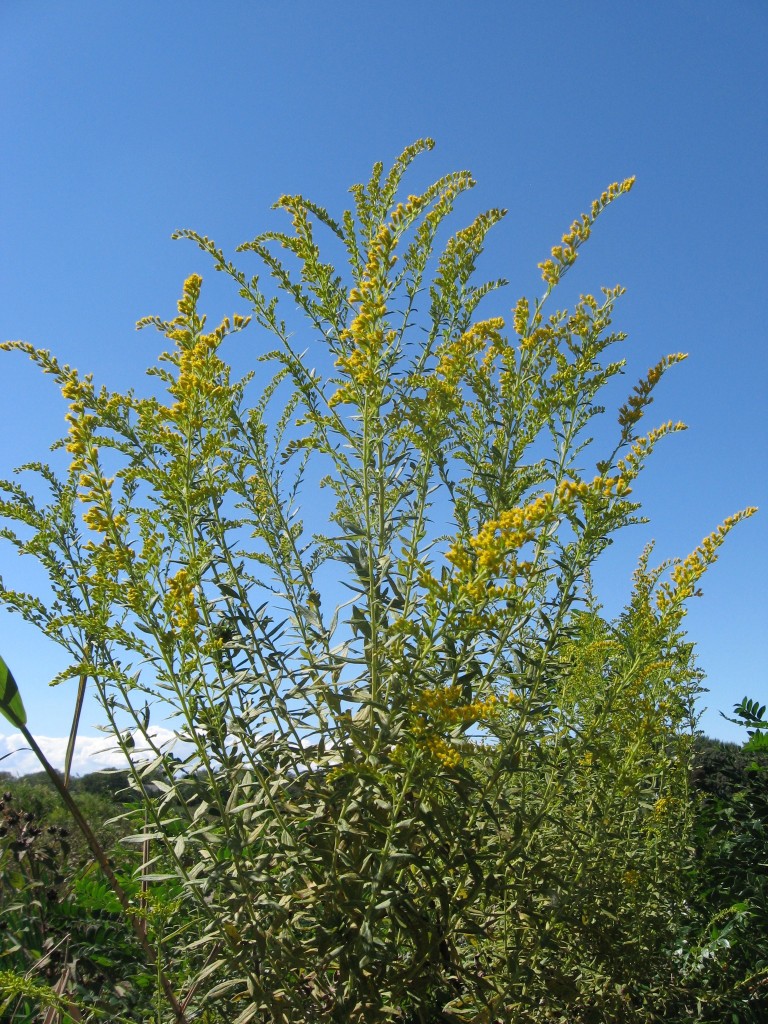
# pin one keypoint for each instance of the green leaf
(11, 704)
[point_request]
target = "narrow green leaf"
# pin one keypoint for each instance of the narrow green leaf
(11, 704)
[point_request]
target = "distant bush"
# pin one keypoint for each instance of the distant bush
(726, 928)
(102, 796)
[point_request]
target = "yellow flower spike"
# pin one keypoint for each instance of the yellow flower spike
(96, 520)
(550, 272)
(191, 294)
(180, 601)
(72, 389)
(563, 256)
(664, 806)
(686, 573)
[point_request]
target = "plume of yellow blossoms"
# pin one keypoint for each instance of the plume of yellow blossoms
(493, 548)
(180, 602)
(563, 256)
(641, 396)
(202, 375)
(629, 467)
(686, 573)
(367, 330)
(457, 357)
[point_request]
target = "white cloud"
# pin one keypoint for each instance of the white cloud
(92, 753)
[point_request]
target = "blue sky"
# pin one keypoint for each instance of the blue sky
(122, 122)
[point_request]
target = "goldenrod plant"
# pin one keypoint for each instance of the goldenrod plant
(417, 775)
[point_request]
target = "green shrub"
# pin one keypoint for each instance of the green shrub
(725, 934)
(463, 790)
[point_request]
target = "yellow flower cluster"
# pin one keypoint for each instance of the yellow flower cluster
(187, 304)
(545, 338)
(198, 382)
(569, 491)
(521, 317)
(367, 331)
(81, 426)
(404, 213)
(631, 878)
(202, 375)
(689, 571)
(641, 396)
(301, 223)
(441, 750)
(494, 551)
(646, 672)
(442, 709)
(443, 703)
(664, 806)
(630, 466)
(361, 369)
(514, 528)
(564, 255)
(612, 192)
(458, 355)
(180, 601)
(456, 364)
(77, 390)
(579, 232)
(260, 496)
(96, 520)
(96, 492)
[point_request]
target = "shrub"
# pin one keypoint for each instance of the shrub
(462, 791)
(725, 934)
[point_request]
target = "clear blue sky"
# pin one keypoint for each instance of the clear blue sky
(122, 122)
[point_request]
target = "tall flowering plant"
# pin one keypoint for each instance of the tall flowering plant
(417, 772)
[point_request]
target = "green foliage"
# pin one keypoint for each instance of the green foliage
(33, 861)
(463, 792)
(725, 935)
(103, 797)
(752, 713)
(61, 926)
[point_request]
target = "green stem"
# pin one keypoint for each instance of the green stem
(69, 756)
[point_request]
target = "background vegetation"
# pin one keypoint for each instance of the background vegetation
(60, 918)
